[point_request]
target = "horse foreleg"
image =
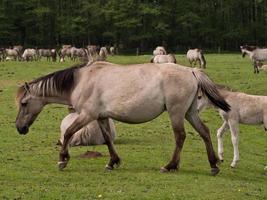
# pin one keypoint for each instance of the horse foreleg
(203, 130)
(234, 137)
(106, 132)
(179, 135)
(220, 133)
(76, 125)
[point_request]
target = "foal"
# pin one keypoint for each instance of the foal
(256, 54)
(245, 109)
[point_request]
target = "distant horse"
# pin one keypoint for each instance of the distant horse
(88, 135)
(92, 50)
(112, 51)
(29, 55)
(245, 109)
(103, 54)
(12, 53)
(19, 48)
(256, 55)
(65, 51)
(48, 54)
(159, 51)
(77, 53)
(132, 94)
(196, 55)
(170, 58)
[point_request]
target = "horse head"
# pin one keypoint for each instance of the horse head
(29, 108)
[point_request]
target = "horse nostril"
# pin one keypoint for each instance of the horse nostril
(23, 130)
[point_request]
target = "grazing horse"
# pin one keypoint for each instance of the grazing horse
(88, 135)
(29, 55)
(159, 51)
(12, 53)
(245, 109)
(256, 55)
(133, 94)
(170, 58)
(196, 55)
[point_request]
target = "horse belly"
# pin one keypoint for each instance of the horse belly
(136, 108)
(251, 116)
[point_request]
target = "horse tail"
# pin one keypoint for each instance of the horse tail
(210, 90)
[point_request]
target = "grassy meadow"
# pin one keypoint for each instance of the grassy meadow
(29, 168)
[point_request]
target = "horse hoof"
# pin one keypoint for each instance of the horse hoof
(109, 168)
(62, 165)
(163, 170)
(214, 171)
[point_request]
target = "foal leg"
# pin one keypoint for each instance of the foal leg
(202, 129)
(179, 135)
(78, 123)
(220, 133)
(234, 137)
(106, 132)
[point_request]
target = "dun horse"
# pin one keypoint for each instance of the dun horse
(256, 54)
(170, 58)
(133, 94)
(196, 55)
(245, 109)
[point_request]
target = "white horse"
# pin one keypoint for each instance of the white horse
(29, 54)
(89, 135)
(245, 109)
(256, 55)
(159, 51)
(170, 58)
(196, 55)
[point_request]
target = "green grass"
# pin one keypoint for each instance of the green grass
(29, 163)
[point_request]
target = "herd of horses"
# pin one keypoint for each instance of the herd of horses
(136, 94)
(90, 52)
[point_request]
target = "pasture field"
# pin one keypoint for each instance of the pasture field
(29, 163)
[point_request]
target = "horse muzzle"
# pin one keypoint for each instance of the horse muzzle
(24, 130)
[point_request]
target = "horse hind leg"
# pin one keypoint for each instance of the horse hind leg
(179, 135)
(220, 133)
(106, 132)
(234, 137)
(201, 128)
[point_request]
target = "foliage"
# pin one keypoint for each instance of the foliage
(134, 23)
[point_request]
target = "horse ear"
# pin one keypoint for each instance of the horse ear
(27, 87)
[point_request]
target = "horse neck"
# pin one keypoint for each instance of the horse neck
(50, 96)
(250, 53)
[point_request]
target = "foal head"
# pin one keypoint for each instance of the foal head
(29, 108)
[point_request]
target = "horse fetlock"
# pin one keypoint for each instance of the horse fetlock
(220, 155)
(234, 163)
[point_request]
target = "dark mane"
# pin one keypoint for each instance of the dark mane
(63, 80)
(250, 48)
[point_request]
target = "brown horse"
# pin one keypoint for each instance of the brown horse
(133, 94)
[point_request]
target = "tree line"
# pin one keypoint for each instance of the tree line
(130, 24)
